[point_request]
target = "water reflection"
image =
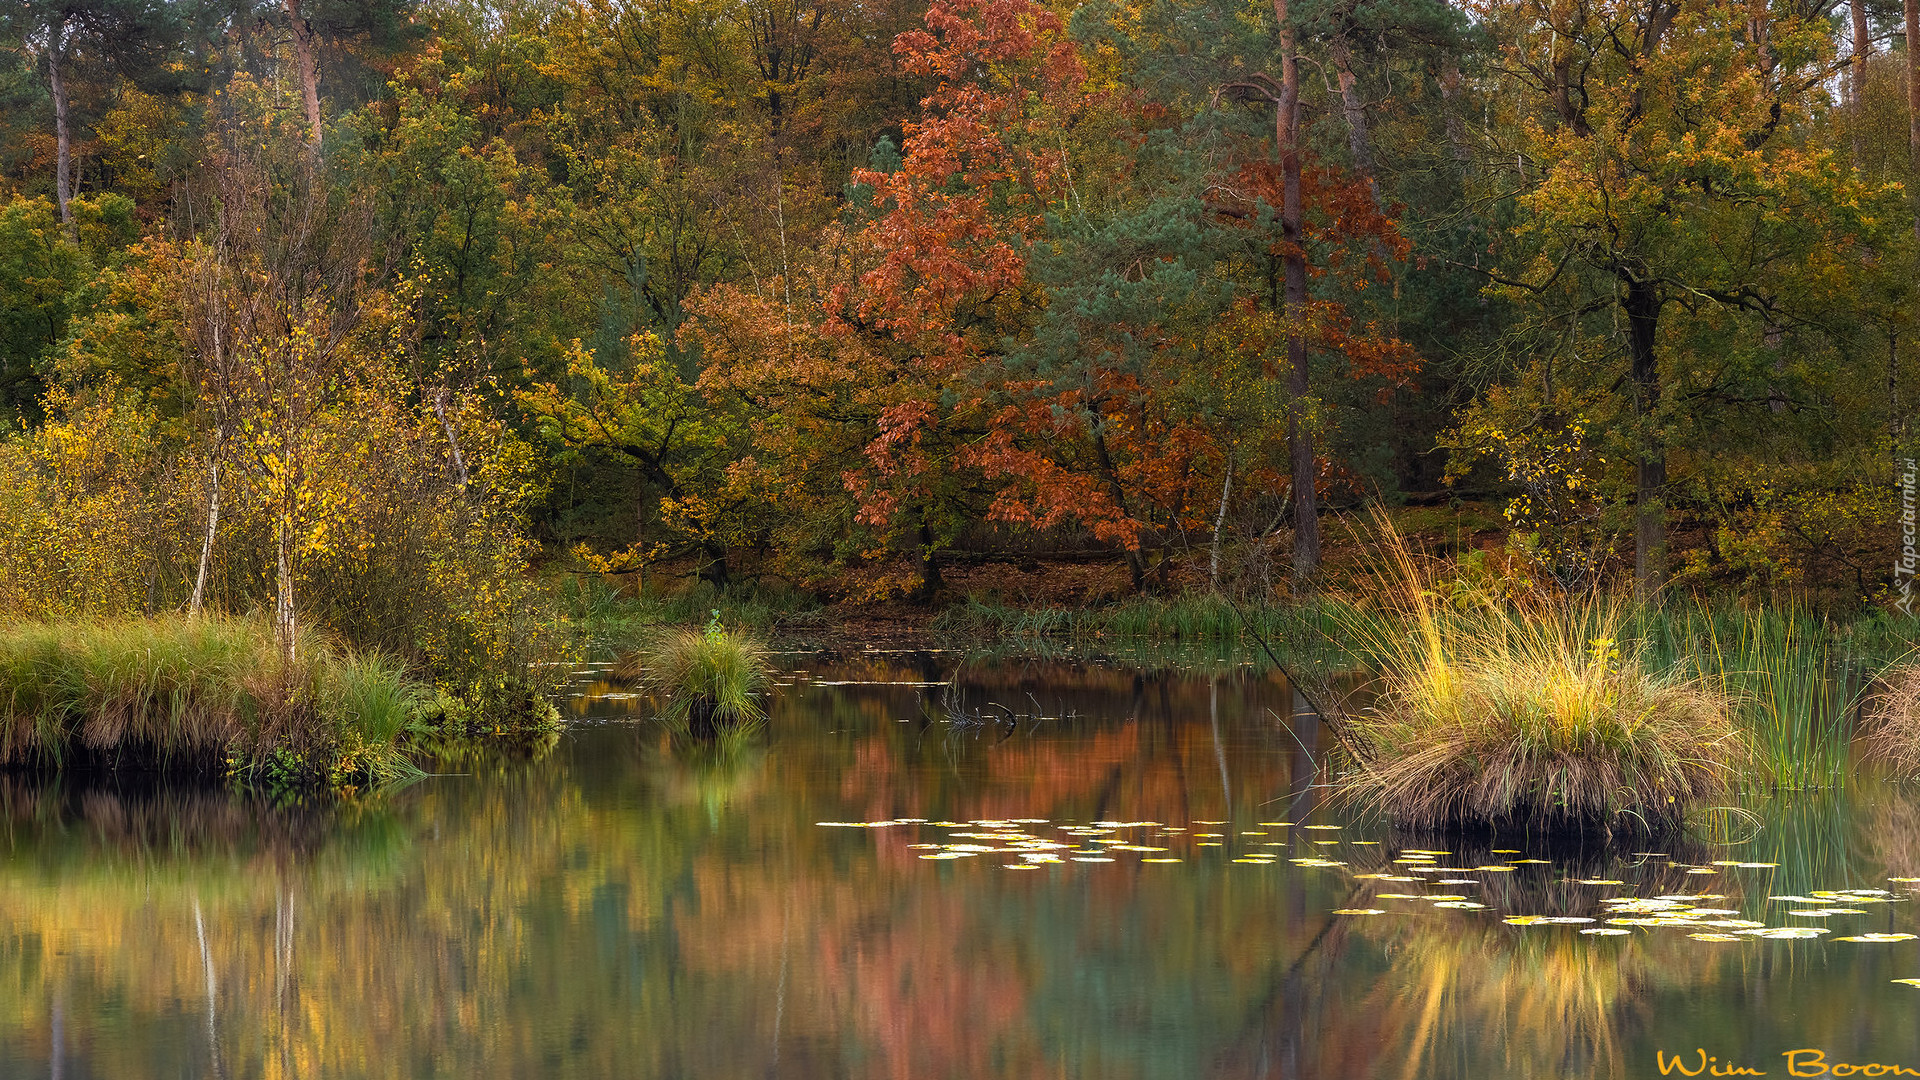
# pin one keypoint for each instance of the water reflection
(633, 907)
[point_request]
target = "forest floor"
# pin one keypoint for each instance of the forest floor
(1473, 536)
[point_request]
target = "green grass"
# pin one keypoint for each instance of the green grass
(610, 621)
(201, 695)
(372, 695)
(1797, 681)
(710, 680)
(1196, 618)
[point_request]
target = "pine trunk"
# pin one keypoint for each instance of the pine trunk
(1306, 508)
(62, 132)
(1359, 140)
(1136, 569)
(309, 68)
(1913, 107)
(1861, 47)
(1451, 85)
(1650, 473)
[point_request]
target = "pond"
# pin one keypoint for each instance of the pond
(1036, 868)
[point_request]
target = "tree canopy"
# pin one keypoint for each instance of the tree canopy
(835, 292)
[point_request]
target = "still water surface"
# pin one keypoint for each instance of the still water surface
(624, 908)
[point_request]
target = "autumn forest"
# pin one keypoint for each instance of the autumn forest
(309, 298)
(549, 511)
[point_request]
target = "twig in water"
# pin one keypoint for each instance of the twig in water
(1333, 723)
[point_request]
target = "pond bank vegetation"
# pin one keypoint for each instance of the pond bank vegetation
(218, 698)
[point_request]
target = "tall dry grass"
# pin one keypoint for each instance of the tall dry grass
(1537, 715)
(1893, 719)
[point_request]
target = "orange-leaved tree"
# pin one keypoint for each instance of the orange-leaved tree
(879, 367)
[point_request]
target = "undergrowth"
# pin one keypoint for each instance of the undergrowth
(610, 620)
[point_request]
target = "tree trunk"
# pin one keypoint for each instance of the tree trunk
(714, 570)
(213, 526)
(285, 620)
(1760, 32)
(309, 67)
(1913, 107)
(62, 132)
(1136, 570)
(1650, 472)
(924, 567)
(439, 397)
(1896, 424)
(1902, 464)
(1220, 524)
(1862, 46)
(1306, 509)
(1359, 142)
(1450, 86)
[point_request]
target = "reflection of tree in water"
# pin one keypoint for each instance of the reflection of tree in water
(630, 910)
(90, 819)
(625, 909)
(126, 884)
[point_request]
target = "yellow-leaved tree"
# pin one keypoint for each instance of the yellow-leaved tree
(1684, 248)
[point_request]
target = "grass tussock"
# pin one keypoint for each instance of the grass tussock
(711, 680)
(1540, 717)
(1893, 720)
(201, 695)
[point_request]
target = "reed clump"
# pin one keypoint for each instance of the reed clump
(1539, 716)
(201, 695)
(710, 681)
(1795, 682)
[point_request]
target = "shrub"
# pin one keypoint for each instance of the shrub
(502, 712)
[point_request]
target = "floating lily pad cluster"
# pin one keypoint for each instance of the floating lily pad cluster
(1623, 914)
(1037, 842)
